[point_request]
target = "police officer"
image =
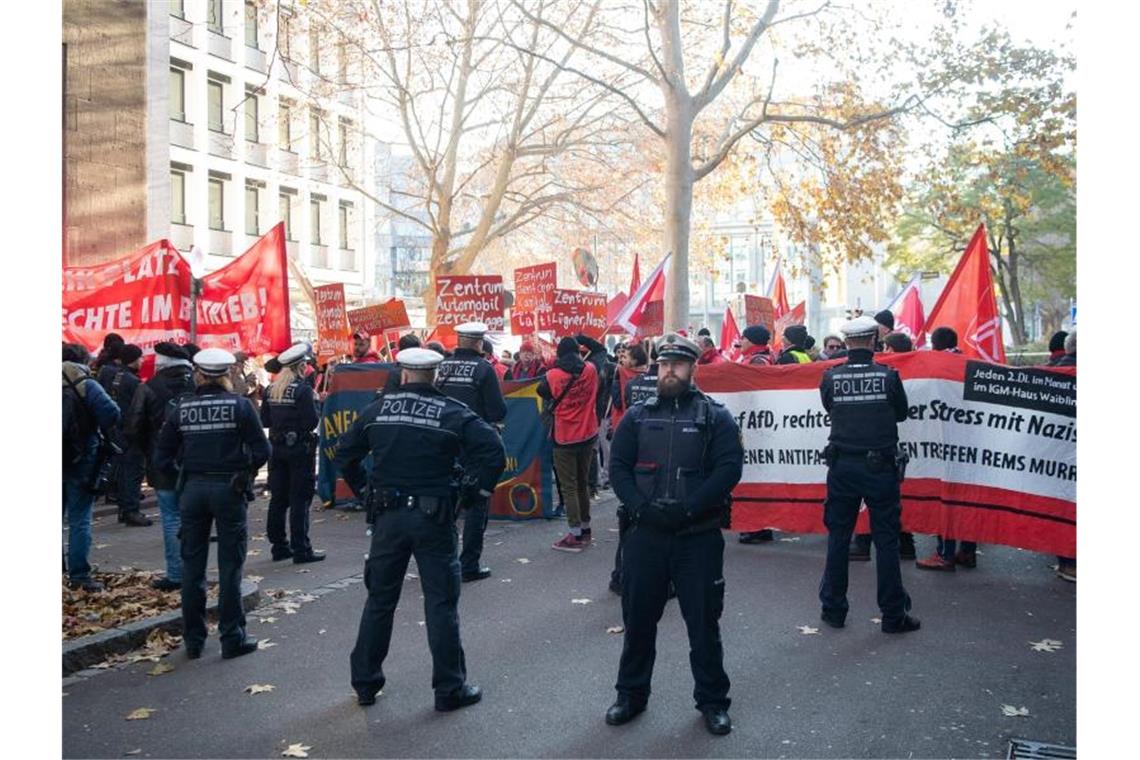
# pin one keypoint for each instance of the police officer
(414, 435)
(289, 410)
(674, 462)
(866, 402)
(468, 378)
(215, 442)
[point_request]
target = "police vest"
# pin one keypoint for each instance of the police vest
(211, 432)
(462, 376)
(672, 443)
(862, 409)
(641, 388)
(286, 414)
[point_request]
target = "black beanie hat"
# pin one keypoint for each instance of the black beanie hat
(757, 334)
(567, 346)
(191, 349)
(112, 339)
(173, 350)
(886, 318)
(1057, 342)
(797, 335)
(129, 353)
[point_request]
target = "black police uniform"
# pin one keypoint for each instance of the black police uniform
(467, 377)
(673, 464)
(292, 467)
(866, 402)
(215, 438)
(639, 389)
(414, 436)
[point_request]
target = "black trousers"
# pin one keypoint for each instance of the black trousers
(292, 481)
(475, 516)
(850, 482)
(623, 528)
(695, 563)
(397, 536)
(132, 465)
(205, 500)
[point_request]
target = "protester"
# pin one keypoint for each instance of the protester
(528, 366)
(173, 379)
(436, 346)
(833, 348)
(944, 339)
(710, 354)
(571, 388)
(88, 414)
(489, 356)
(362, 352)
(595, 353)
(1067, 566)
(754, 345)
(795, 340)
(107, 363)
(886, 322)
(897, 343)
(1070, 357)
(129, 465)
(408, 340)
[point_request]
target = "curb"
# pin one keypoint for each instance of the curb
(86, 651)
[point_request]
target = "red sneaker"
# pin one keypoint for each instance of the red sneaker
(935, 562)
(568, 543)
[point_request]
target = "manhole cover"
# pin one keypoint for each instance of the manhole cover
(1025, 749)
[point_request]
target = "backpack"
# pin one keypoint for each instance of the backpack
(78, 424)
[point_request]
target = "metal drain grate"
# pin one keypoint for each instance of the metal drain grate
(1025, 749)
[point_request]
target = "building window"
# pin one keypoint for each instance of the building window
(285, 35)
(315, 49)
(344, 224)
(214, 104)
(342, 147)
(315, 222)
(251, 113)
(178, 94)
(178, 8)
(178, 198)
(284, 126)
(285, 204)
(214, 15)
(315, 151)
(217, 204)
(251, 24)
(342, 62)
(251, 224)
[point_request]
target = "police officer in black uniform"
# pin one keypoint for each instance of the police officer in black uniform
(415, 435)
(866, 402)
(674, 462)
(467, 377)
(289, 410)
(214, 441)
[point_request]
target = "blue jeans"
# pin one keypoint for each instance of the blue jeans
(171, 525)
(78, 504)
(948, 546)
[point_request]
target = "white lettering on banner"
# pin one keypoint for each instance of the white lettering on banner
(948, 438)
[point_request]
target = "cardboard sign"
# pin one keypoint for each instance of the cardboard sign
(333, 335)
(469, 298)
(758, 310)
(534, 287)
(375, 320)
(578, 311)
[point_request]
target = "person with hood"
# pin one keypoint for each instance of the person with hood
(88, 414)
(131, 466)
(570, 388)
(107, 363)
(710, 354)
(795, 346)
(754, 345)
(529, 365)
(173, 379)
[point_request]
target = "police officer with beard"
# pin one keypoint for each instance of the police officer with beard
(674, 462)
(415, 435)
(289, 410)
(467, 377)
(214, 441)
(866, 401)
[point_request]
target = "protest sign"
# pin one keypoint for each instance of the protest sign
(379, 318)
(333, 335)
(469, 298)
(534, 287)
(578, 311)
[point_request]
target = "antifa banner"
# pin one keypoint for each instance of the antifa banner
(992, 449)
(534, 287)
(145, 297)
(578, 311)
(524, 489)
(333, 336)
(469, 298)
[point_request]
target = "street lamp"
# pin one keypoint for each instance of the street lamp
(197, 261)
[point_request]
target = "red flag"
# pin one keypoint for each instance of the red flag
(635, 281)
(968, 306)
(729, 335)
(613, 308)
(909, 316)
(778, 292)
(794, 316)
(632, 317)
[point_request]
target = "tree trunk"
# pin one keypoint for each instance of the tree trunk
(678, 212)
(1017, 318)
(440, 242)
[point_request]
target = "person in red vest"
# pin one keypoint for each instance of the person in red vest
(362, 352)
(710, 354)
(754, 345)
(529, 364)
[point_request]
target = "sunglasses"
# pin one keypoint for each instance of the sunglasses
(833, 346)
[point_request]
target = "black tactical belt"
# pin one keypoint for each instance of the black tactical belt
(211, 475)
(407, 501)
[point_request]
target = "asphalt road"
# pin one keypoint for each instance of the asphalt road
(547, 665)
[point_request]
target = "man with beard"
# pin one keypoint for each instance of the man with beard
(674, 462)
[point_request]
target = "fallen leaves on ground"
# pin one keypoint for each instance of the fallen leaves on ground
(504, 580)
(304, 570)
(269, 619)
(877, 621)
(143, 713)
(257, 537)
(1045, 645)
(791, 540)
(255, 578)
(258, 688)
(342, 516)
(101, 546)
(616, 629)
(317, 521)
(807, 630)
(134, 752)
(322, 632)
(289, 608)
(296, 750)
(160, 669)
(523, 561)
(128, 597)
(580, 601)
(253, 553)
(1010, 711)
(266, 644)
(305, 598)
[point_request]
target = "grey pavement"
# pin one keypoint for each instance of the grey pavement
(547, 664)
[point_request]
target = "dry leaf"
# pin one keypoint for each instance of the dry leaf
(411, 576)
(134, 752)
(342, 516)
(159, 669)
(265, 644)
(289, 609)
(258, 688)
(101, 546)
(257, 537)
(579, 601)
(254, 578)
(321, 632)
(616, 629)
(791, 540)
(253, 553)
(807, 630)
(1010, 711)
(269, 619)
(318, 520)
(877, 621)
(296, 750)
(504, 580)
(1045, 645)
(141, 714)
(304, 570)
(523, 561)
(303, 598)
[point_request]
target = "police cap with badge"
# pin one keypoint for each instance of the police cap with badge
(419, 359)
(860, 327)
(674, 347)
(471, 330)
(214, 362)
(295, 354)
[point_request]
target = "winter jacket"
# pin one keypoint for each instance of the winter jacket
(575, 416)
(712, 356)
(520, 371)
(756, 355)
(104, 412)
(148, 411)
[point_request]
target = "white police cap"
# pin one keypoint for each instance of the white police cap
(295, 353)
(214, 362)
(674, 346)
(860, 327)
(419, 358)
(471, 329)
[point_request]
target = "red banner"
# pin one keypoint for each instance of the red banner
(469, 298)
(758, 311)
(377, 319)
(534, 287)
(333, 335)
(578, 311)
(146, 298)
